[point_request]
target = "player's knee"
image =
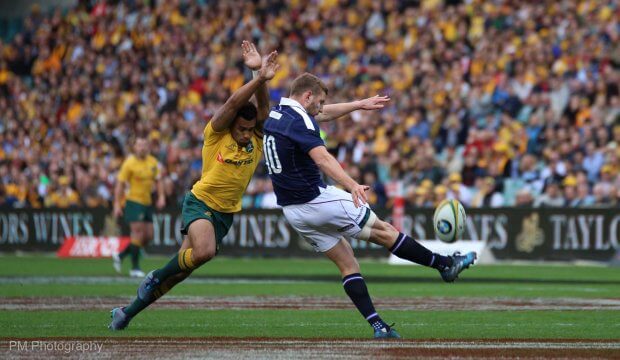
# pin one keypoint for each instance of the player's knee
(137, 233)
(351, 268)
(380, 225)
(203, 254)
(389, 230)
(389, 227)
(384, 234)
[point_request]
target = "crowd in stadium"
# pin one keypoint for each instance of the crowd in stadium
(496, 103)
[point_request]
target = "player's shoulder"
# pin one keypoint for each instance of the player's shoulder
(298, 119)
(210, 131)
(282, 114)
(130, 159)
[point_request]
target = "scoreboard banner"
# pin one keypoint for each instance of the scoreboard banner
(550, 234)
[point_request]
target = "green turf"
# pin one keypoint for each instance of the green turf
(51, 266)
(314, 277)
(333, 288)
(305, 323)
(21, 276)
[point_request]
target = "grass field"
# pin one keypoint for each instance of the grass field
(303, 301)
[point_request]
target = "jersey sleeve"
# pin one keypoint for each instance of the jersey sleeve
(306, 138)
(212, 136)
(125, 172)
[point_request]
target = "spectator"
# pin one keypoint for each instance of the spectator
(603, 196)
(571, 198)
(377, 195)
(584, 199)
(487, 196)
(524, 198)
(440, 193)
(471, 170)
(475, 89)
(63, 196)
(552, 196)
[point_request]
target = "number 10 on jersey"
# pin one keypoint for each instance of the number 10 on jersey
(271, 155)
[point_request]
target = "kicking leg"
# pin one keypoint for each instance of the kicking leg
(405, 247)
(355, 286)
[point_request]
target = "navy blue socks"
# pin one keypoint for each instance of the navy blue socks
(355, 286)
(407, 248)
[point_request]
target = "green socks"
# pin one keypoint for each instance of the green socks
(136, 306)
(180, 262)
(133, 251)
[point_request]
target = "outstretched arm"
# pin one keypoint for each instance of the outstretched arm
(253, 61)
(226, 114)
(334, 111)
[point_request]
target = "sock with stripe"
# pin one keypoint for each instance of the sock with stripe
(180, 262)
(407, 248)
(355, 286)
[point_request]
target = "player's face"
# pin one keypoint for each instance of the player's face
(315, 103)
(141, 148)
(242, 130)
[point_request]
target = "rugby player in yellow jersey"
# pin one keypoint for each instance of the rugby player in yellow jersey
(140, 171)
(231, 151)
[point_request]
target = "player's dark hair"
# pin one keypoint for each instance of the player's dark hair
(133, 139)
(248, 111)
(305, 82)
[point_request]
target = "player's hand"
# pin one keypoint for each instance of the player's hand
(161, 202)
(373, 103)
(118, 211)
(270, 66)
(358, 193)
(251, 56)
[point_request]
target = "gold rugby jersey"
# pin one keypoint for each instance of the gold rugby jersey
(226, 169)
(141, 176)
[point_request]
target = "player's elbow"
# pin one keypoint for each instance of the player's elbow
(262, 114)
(320, 156)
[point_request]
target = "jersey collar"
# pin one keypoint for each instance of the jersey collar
(290, 102)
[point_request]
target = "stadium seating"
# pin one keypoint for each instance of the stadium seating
(527, 92)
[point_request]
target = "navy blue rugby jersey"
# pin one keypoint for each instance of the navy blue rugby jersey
(289, 135)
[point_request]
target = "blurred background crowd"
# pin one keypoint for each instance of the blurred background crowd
(496, 103)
